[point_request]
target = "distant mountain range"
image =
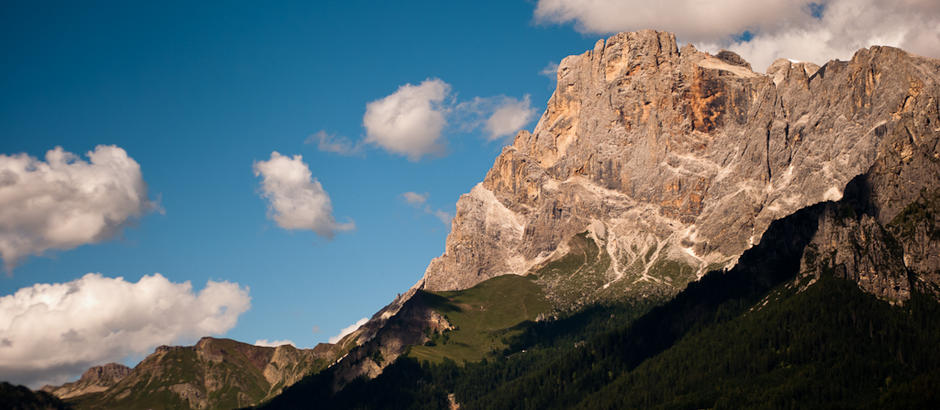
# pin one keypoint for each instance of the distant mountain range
(677, 231)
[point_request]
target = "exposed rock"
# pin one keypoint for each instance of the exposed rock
(655, 165)
(411, 325)
(680, 150)
(214, 373)
(95, 379)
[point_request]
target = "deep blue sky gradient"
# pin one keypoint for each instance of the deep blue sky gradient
(195, 92)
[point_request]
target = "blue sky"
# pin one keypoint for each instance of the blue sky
(199, 94)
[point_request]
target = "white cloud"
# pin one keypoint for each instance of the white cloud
(348, 329)
(691, 20)
(410, 120)
(296, 200)
(419, 201)
(781, 28)
(444, 217)
(550, 71)
(499, 116)
(52, 332)
(334, 144)
(415, 198)
(845, 27)
(273, 343)
(509, 116)
(64, 201)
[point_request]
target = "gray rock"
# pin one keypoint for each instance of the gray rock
(679, 150)
(666, 161)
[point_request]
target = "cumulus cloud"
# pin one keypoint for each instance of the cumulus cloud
(348, 329)
(499, 116)
(419, 201)
(52, 332)
(510, 116)
(805, 30)
(410, 120)
(64, 201)
(273, 343)
(296, 200)
(550, 71)
(334, 144)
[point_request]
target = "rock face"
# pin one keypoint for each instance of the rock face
(215, 373)
(653, 165)
(95, 379)
(414, 321)
(669, 157)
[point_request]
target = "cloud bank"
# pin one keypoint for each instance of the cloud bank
(410, 120)
(50, 333)
(348, 329)
(64, 201)
(296, 200)
(814, 31)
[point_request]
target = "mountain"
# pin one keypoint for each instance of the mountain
(676, 161)
(212, 374)
(654, 165)
(22, 398)
(835, 306)
(95, 379)
(677, 231)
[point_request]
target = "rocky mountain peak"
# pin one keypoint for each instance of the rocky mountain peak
(106, 374)
(95, 379)
(213, 373)
(675, 160)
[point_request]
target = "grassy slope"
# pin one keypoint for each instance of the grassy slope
(714, 345)
(237, 382)
(576, 277)
(483, 316)
(580, 278)
(830, 346)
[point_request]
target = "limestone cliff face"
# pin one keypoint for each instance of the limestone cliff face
(676, 156)
(653, 165)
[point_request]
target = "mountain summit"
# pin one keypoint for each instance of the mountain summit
(654, 165)
(674, 161)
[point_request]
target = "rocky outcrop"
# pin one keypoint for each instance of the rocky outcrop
(678, 156)
(412, 325)
(95, 379)
(653, 165)
(214, 373)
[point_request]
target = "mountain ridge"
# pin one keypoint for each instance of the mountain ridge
(654, 167)
(648, 139)
(674, 162)
(213, 373)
